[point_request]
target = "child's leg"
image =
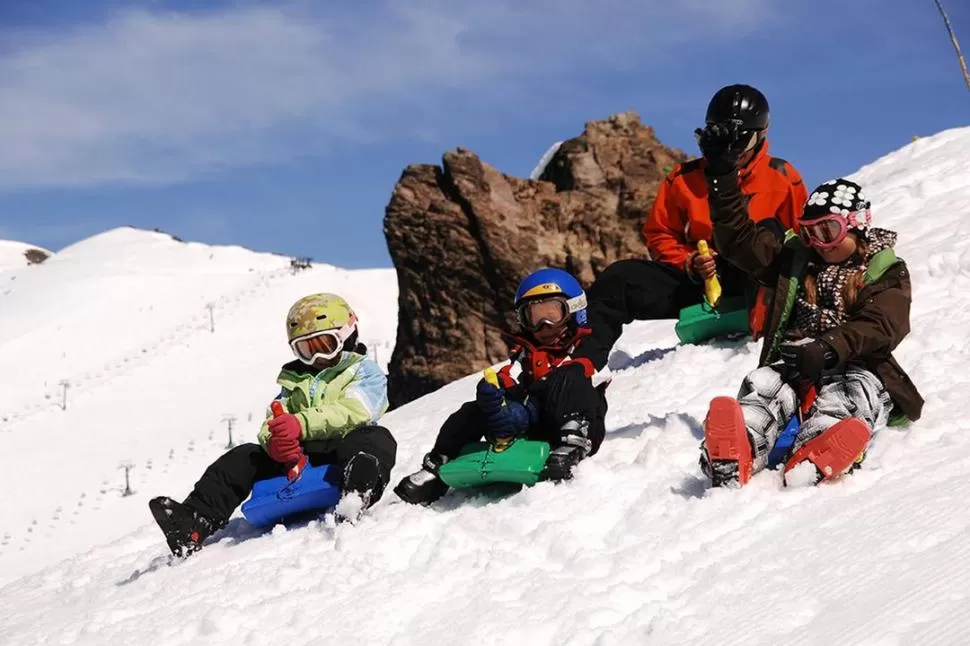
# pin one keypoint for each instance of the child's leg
(571, 419)
(838, 428)
(565, 394)
(363, 459)
(229, 480)
(857, 393)
(739, 434)
(464, 426)
(834, 437)
(767, 402)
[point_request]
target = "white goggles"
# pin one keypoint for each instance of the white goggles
(321, 345)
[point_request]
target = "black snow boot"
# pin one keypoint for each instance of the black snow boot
(362, 486)
(575, 445)
(423, 487)
(185, 529)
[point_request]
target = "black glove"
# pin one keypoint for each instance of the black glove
(718, 143)
(806, 359)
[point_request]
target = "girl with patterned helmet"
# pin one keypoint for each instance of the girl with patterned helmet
(319, 327)
(331, 398)
(552, 399)
(827, 379)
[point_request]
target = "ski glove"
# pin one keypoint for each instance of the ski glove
(504, 417)
(284, 442)
(806, 359)
(717, 142)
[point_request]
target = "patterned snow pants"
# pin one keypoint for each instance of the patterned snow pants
(768, 403)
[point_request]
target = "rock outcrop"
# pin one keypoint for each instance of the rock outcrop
(462, 235)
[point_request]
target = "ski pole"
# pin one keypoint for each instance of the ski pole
(712, 286)
(293, 472)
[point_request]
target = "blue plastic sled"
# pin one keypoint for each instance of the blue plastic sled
(276, 499)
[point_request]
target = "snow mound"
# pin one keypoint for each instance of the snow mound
(636, 549)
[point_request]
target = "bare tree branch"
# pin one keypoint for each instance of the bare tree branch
(956, 45)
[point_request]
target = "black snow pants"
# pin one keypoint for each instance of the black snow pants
(560, 394)
(646, 290)
(229, 480)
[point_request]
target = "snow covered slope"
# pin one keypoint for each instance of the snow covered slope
(123, 319)
(12, 254)
(635, 550)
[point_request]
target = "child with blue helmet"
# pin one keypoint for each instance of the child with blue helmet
(552, 399)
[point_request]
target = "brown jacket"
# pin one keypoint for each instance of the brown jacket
(876, 324)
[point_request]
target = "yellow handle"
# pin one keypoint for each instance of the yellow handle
(491, 376)
(502, 443)
(712, 286)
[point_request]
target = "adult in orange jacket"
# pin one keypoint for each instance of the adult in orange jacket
(734, 137)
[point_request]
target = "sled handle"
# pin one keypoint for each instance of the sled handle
(807, 392)
(277, 408)
(491, 377)
(712, 286)
(294, 471)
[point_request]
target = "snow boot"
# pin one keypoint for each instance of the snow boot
(831, 454)
(575, 446)
(185, 529)
(362, 487)
(727, 446)
(424, 486)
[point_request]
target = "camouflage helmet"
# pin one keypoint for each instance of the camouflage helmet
(319, 312)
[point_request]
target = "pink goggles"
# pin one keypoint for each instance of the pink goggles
(830, 230)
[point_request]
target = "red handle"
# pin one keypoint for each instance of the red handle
(806, 395)
(277, 408)
(294, 471)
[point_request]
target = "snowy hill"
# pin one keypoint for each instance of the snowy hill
(123, 318)
(12, 254)
(635, 550)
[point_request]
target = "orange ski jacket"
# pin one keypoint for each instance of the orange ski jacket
(681, 214)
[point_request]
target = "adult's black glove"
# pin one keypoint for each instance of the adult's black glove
(718, 143)
(807, 359)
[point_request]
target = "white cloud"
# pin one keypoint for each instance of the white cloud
(156, 97)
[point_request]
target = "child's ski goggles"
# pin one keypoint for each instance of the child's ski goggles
(550, 311)
(830, 230)
(319, 345)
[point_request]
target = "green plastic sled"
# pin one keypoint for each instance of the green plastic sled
(699, 323)
(479, 464)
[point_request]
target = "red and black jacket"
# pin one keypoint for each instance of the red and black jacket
(538, 361)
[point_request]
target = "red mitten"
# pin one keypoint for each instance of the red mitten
(284, 442)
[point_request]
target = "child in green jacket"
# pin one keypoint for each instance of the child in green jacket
(332, 397)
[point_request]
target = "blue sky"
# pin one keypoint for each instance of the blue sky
(283, 126)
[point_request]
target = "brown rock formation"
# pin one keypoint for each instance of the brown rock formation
(462, 235)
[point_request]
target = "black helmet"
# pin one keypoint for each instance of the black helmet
(741, 102)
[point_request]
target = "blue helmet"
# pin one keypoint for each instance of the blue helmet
(549, 282)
